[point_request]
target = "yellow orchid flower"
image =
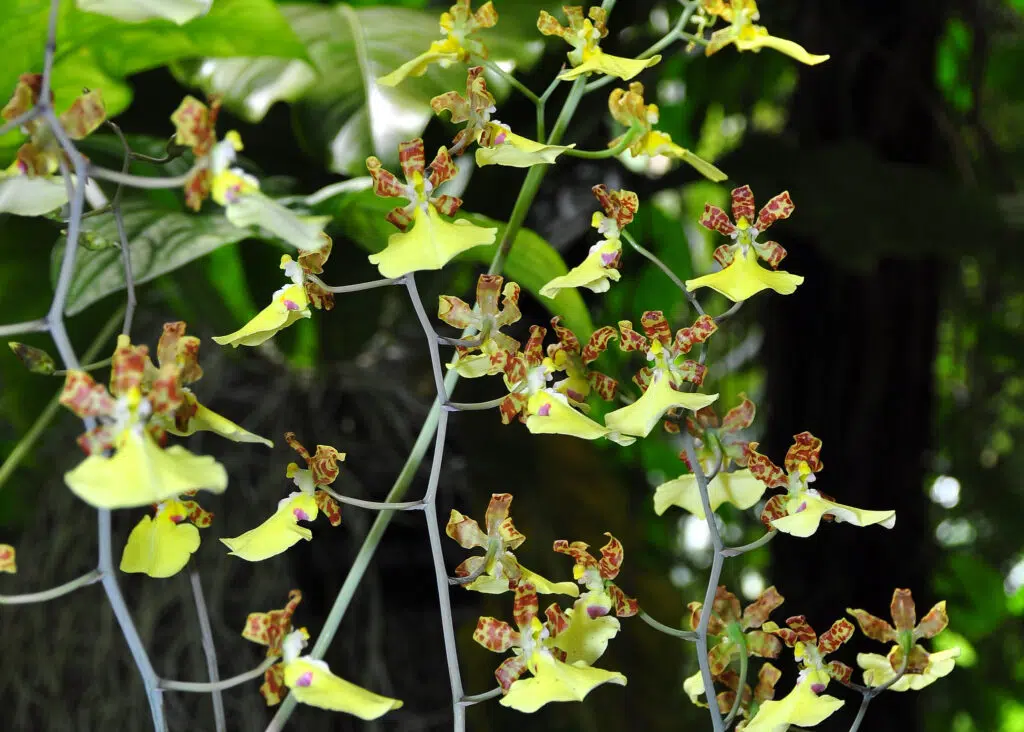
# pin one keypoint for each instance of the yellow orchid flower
(282, 531)
(740, 488)
(7, 559)
(552, 679)
(663, 381)
(500, 146)
(928, 667)
(547, 409)
(498, 570)
(458, 25)
(584, 35)
(574, 358)
(746, 36)
(426, 241)
(802, 509)
(801, 707)
(162, 545)
(628, 108)
(289, 305)
(487, 318)
(310, 680)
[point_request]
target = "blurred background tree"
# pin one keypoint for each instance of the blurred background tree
(903, 350)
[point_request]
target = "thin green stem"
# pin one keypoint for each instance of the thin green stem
(741, 640)
(203, 687)
(624, 142)
(39, 325)
(358, 287)
(653, 258)
(87, 367)
(53, 593)
(373, 505)
(686, 635)
(467, 701)
(735, 551)
(475, 406)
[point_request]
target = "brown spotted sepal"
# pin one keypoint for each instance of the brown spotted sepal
(34, 359)
(412, 158)
(312, 263)
(905, 629)
(495, 348)
(710, 432)
(619, 209)
(810, 650)
(7, 559)
(270, 629)
(195, 126)
(475, 109)
(574, 359)
(518, 369)
(597, 575)
(497, 570)
(321, 471)
(730, 627)
(752, 699)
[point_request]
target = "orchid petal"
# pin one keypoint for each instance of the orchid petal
(206, 420)
(800, 707)
(554, 681)
(600, 62)
(255, 209)
(878, 670)
(430, 243)
(740, 488)
(519, 152)
(550, 413)
(594, 272)
(311, 682)
(744, 278)
(278, 533)
(804, 522)
(640, 417)
(159, 547)
(288, 307)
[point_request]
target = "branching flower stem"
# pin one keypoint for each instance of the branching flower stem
(686, 635)
(209, 650)
(206, 688)
(89, 578)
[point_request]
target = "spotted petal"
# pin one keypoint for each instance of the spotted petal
(278, 533)
(744, 278)
(739, 488)
(7, 561)
(311, 682)
(430, 243)
(202, 419)
(640, 417)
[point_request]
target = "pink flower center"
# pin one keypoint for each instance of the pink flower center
(300, 515)
(544, 411)
(596, 611)
(608, 257)
(290, 305)
(305, 680)
(177, 519)
(817, 688)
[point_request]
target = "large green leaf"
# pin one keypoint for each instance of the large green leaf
(532, 261)
(160, 240)
(343, 115)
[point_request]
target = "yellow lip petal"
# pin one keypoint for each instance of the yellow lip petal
(878, 670)
(586, 638)
(801, 707)
(744, 278)
(519, 152)
(159, 547)
(805, 521)
(311, 682)
(278, 533)
(760, 39)
(640, 417)
(443, 52)
(207, 420)
(604, 63)
(660, 143)
(550, 414)
(740, 488)
(141, 473)
(593, 272)
(554, 681)
(430, 243)
(287, 307)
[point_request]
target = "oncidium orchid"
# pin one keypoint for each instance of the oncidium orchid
(498, 570)
(498, 144)
(806, 705)
(162, 545)
(7, 559)
(593, 619)
(139, 471)
(734, 633)
(801, 509)
(546, 409)
(553, 678)
(584, 34)
(741, 276)
(663, 381)
(746, 36)
(290, 303)
(490, 356)
(309, 679)
(32, 185)
(426, 241)
(740, 488)
(458, 25)
(214, 176)
(570, 356)
(601, 266)
(750, 699)
(920, 668)
(282, 531)
(628, 108)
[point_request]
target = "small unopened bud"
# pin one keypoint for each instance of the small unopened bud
(35, 359)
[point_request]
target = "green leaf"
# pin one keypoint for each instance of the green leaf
(532, 261)
(342, 114)
(160, 240)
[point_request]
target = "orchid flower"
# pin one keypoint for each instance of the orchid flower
(751, 699)
(498, 570)
(741, 276)
(498, 144)
(662, 382)
(495, 347)
(740, 488)
(214, 176)
(806, 705)
(922, 668)
(139, 471)
(282, 531)
(801, 509)
(584, 35)
(716, 437)
(310, 680)
(7, 559)
(32, 185)
(590, 623)
(290, 303)
(553, 678)
(458, 25)
(569, 356)
(601, 266)
(426, 241)
(545, 409)
(628, 108)
(162, 545)
(735, 633)
(746, 36)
